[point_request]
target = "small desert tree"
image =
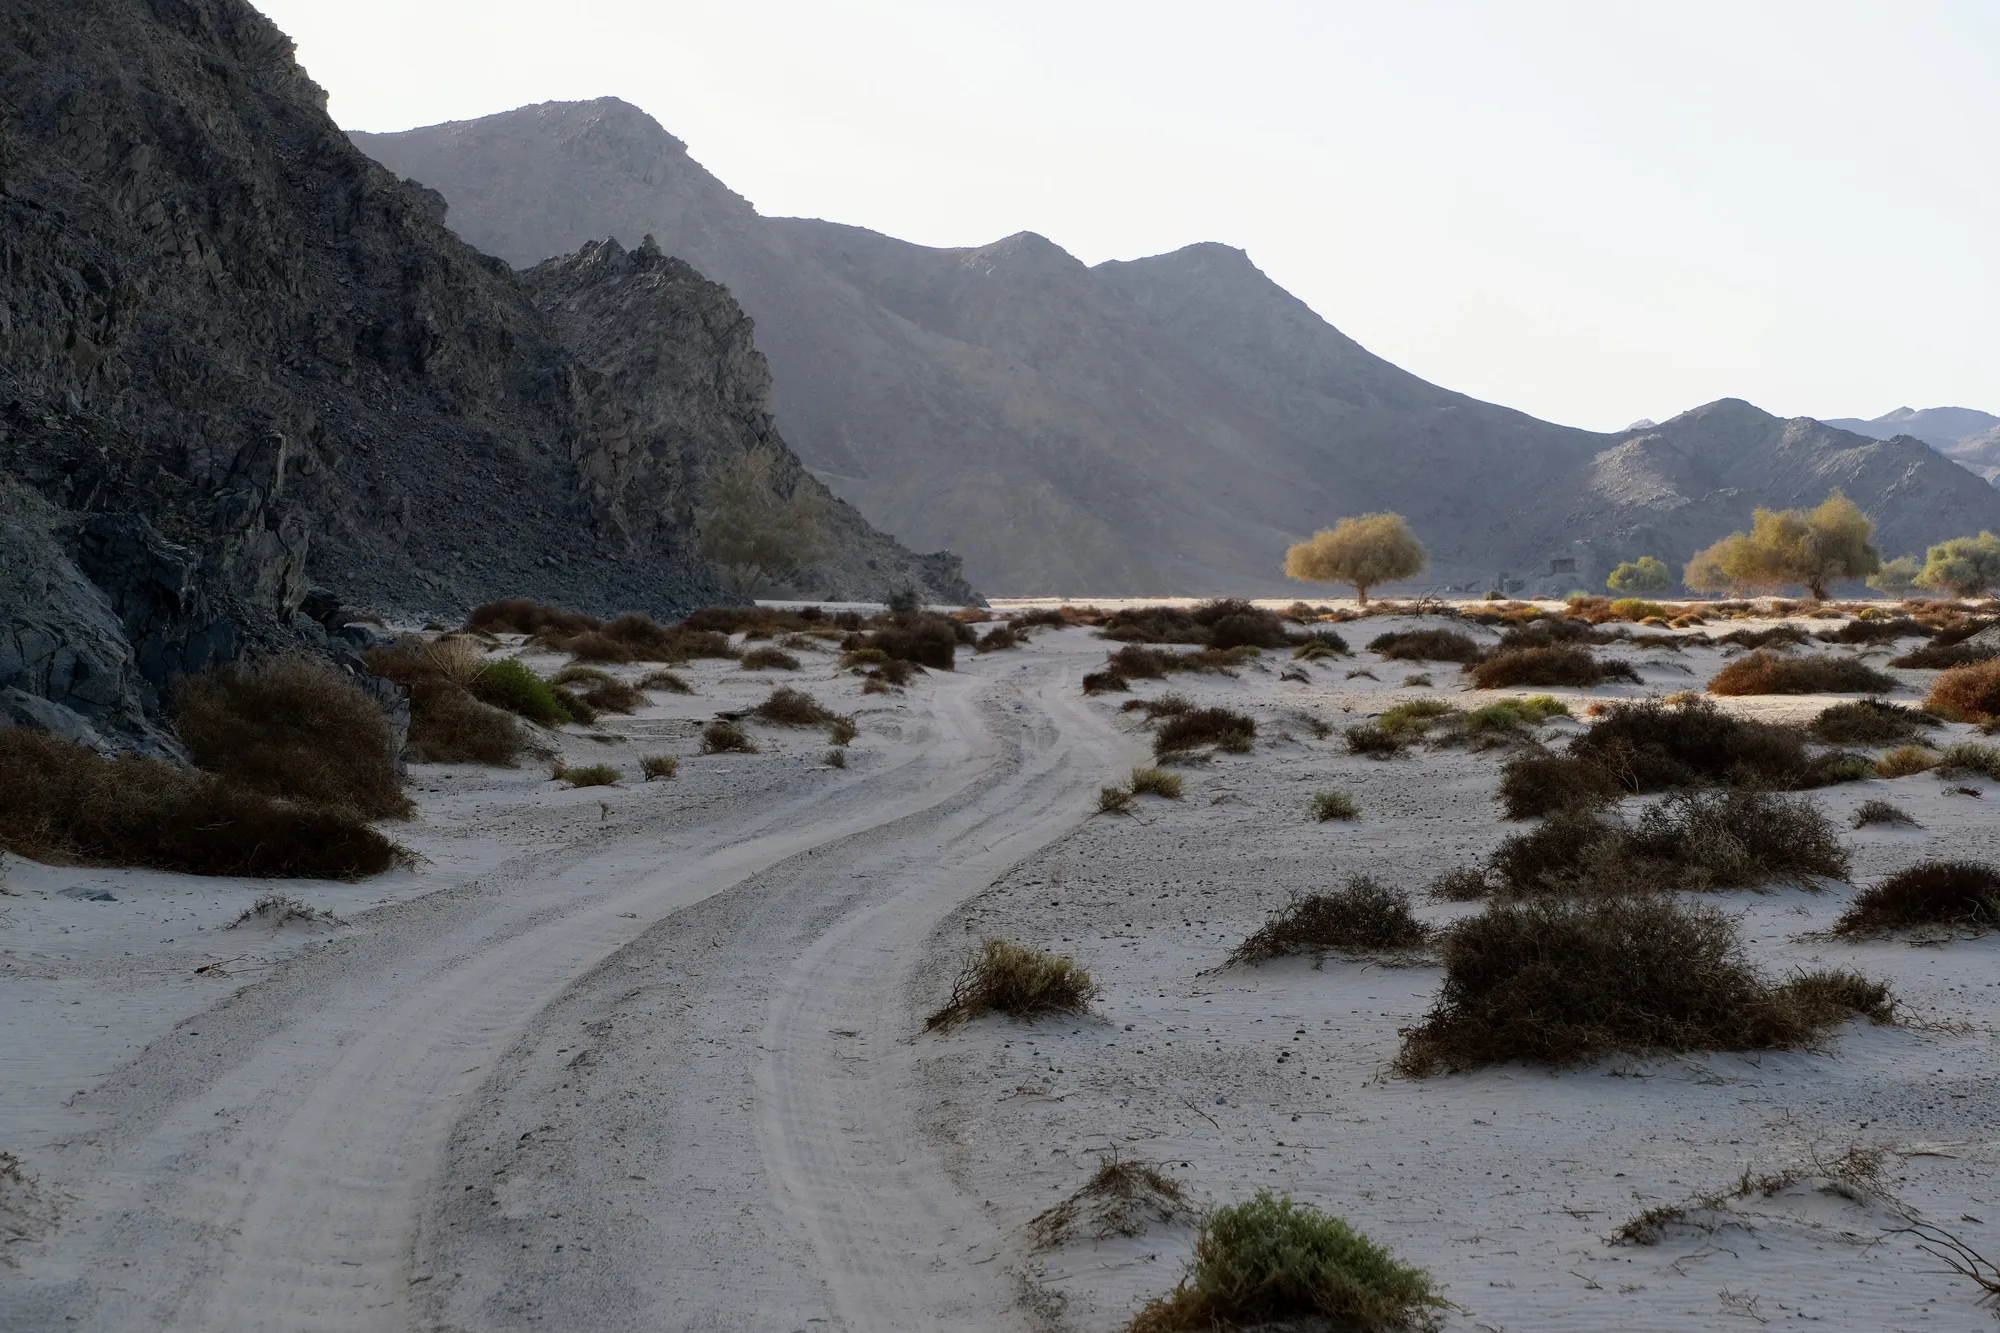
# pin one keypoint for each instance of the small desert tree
(1897, 577)
(1791, 546)
(1646, 574)
(1964, 566)
(1366, 551)
(749, 528)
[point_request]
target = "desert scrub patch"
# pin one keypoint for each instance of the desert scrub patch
(1319, 645)
(1876, 631)
(63, 803)
(447, 724)
(525, 615)
(1653, 746)
(1969, 759)
(1961, 894)
(724, 737)
(659, 767)
(1362, 916)
(1270, 1259)
(1123, 1197)
(1328, 805)
(600, 691)
(1418, 681)
(510, 684)
(1226, 730)
(669, 681)
(586, 775)
(842, 731)
(1559, 665)
(1413, 717)
(1373, 741)
(1968, 693)
(1881, 812)
(1869, 722)
(277, 910)
(835, 758)
(1167, 705)
(1906, 761)
(1537, 783)
(1015, 980)
(999, 639)
(767, 659)
(1157, 782)
(1105, 682)
(293, 728)
(1427, 645)
(788, 707)
(1764, 672)
(1114, 800)
(856, 659)
(1559, 981)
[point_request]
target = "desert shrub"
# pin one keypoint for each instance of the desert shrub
(1114, 801)
(599, 690)
(1043, 617)
(1157, 782)
(1906, 761)
(1537, 783)
(587, 775)
(1426, 645)
(1869, 722)
(1780, 635)
(1167, 705)
(835, 758)
(1334, 805)
(294, 728)
(1318, 643)
(1968, 693)
(1373, 741)
(62, 802)
(794, 708)
(1250, 627)
(1554, 631)
(721, 737)
(1931, 893)
(1763, 672)
(1638, 608)
(1359, 917)
(857, 659)
(1274, 1260)
(999, 638)
(510, 684)
(1880, 812)
(1556, 982)
(1155, 624)
(1463, 885)
(665, 680)
(1120, 1199)
(1413, 717)
(764, 659)
(1949, 649)
(925, 639)
(1547, 666)
(578, 707)
(764, 620)
(1206, 726)
(447, 724)
(1139, 663)
(1015, 980)
(658, 767)
(842, 730)
(1876, 631)
(1968, 759)
(525, 615)
(1651, 745)
(1105, 682)
(1418, 680)
(277, 910)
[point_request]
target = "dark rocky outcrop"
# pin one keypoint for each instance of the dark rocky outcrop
(1163, 425)
(234, 350)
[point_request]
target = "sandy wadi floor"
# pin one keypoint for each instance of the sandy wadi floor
(652, 1056)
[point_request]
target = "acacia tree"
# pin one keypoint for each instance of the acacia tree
(1366, 551)
(1964, 566)
(1790, 546)
(749, 528)
(1646, 574)
(1896, 577)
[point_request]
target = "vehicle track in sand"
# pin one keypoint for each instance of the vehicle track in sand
(268, 1166)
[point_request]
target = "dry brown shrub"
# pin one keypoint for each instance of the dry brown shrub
(1764, 672)
(1122, 1198)
(1968, 693)
(722, 737)
(1362, 916)
(1536, 783)
(1880, 812)
(923, 638)
(525, 615)
(1869, 722)
(61, 802)
(1651, 746)
(1206, 726)
(1427, 645)
(295, 728)
(794, 708)
(763, 659)
(1547, 666)
(1105, 682)
(447, 724)
(1559, 981)
(1877, 631)
(1906, 761)
(1015, 980)
(665, 680)
(1961, 894)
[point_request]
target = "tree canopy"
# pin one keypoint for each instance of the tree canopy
(1963, 566)
(749, 529)
(1812, 547)
(1366, 551)
(1646, 574)
(1896, 577)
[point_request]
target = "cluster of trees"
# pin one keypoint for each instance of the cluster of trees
(752, 528)
(1784, 548)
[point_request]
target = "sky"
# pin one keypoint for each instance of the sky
(1594, 211)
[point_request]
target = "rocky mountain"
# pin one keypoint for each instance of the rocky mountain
(237, 357)
(1967, 437)
(1166, 425)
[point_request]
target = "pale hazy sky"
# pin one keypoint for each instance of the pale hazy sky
(1593, 211)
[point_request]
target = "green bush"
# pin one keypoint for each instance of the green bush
(509, 684)
(1334, 805)
(588, 775)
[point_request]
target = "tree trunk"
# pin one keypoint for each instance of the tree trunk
(1817, 587)
(1361, 591)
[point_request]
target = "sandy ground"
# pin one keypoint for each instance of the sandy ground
(652, 1056)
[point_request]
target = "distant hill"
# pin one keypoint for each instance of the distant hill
(1968, 437)
(1165, 425)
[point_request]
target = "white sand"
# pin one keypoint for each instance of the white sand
(651, 1056)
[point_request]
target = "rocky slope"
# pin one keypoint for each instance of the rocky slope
(1164, 425)
(236, 355)
(1967, 437)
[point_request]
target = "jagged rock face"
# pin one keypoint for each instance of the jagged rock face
(675, 384)
(234, 349)
(1163, 425)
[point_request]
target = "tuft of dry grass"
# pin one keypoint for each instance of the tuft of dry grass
(1560, 981)
(659, 767)
(63, 803)
(1000, 638)
(1122, 1198)
(295, 728)
(722, 737)
(766, 659)
(1906, 761)
(1269, 1261)
(1362, 916)
(1969, 759)
(525, 615)
(1232, 732)
(788, 707)
(1881, 812)
(277, 910)
(1015, 980)
(1763, 672)
(1961, 894)
(1968, 693)
(1562, 665)
(665, 680)
(1427, 645)
(1374, 742)
(1157, 782)
(600, 691)
(586, 775)
(842, 731)
(1114, 801)
(1334, 805)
